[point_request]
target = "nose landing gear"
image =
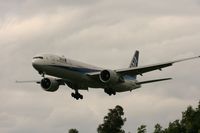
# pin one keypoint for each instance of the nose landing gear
(42, 74)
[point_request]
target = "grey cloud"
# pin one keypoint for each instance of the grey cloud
(28, 8)
(103, 33)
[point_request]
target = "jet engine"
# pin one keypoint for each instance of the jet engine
(109, 76)
(49, 84)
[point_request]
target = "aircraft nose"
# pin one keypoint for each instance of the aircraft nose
(37, 61)
(35, 64)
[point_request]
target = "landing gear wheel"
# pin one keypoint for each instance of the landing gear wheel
(81, 96)
(77, 95)
(76, 98)
(110, 91)
(73, 95)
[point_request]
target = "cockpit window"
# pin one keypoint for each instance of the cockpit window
(62, 59)
(38, 57)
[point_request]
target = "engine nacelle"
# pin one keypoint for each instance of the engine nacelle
(109, 76)
(49, 84)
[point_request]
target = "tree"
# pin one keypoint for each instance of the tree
(191, 119)
(142, 129)
(73, 131)
(158, 129)
(190, 122)
(174, 127)
(113, 122)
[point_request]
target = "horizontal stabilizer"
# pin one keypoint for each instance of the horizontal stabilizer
(60, 81)
(30, 81)
(151, 81)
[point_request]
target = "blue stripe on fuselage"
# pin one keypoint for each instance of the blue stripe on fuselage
(126, 77)
(77, 69)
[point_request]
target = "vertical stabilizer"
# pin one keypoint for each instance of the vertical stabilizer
(134, 63)
(135, 59)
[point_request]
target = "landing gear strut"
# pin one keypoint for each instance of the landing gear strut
(42, 74)
(77, 95)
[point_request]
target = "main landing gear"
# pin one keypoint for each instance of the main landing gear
(77, 95)
(110, 91)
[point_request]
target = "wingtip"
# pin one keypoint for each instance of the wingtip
(168, 78)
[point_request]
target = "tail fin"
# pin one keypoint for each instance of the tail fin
(135, 60)
(134, 63)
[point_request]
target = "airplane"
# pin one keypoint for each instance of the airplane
(81, 76)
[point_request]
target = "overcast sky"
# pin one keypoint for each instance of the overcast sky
(104, 33)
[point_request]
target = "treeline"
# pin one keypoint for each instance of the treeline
(114, 121)
(189, 123)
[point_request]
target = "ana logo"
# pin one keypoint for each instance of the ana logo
(134, 62)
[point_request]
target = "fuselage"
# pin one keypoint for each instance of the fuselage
(75, 72)
(81, 76)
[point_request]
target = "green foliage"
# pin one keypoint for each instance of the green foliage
(158, 129)
(73, 131)
(174, 127)
(142, 129)
(190, 123)
(191, 120)
(113, 122)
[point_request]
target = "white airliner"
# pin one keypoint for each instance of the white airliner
(81, 76)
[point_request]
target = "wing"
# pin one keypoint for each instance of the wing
(144, 69)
